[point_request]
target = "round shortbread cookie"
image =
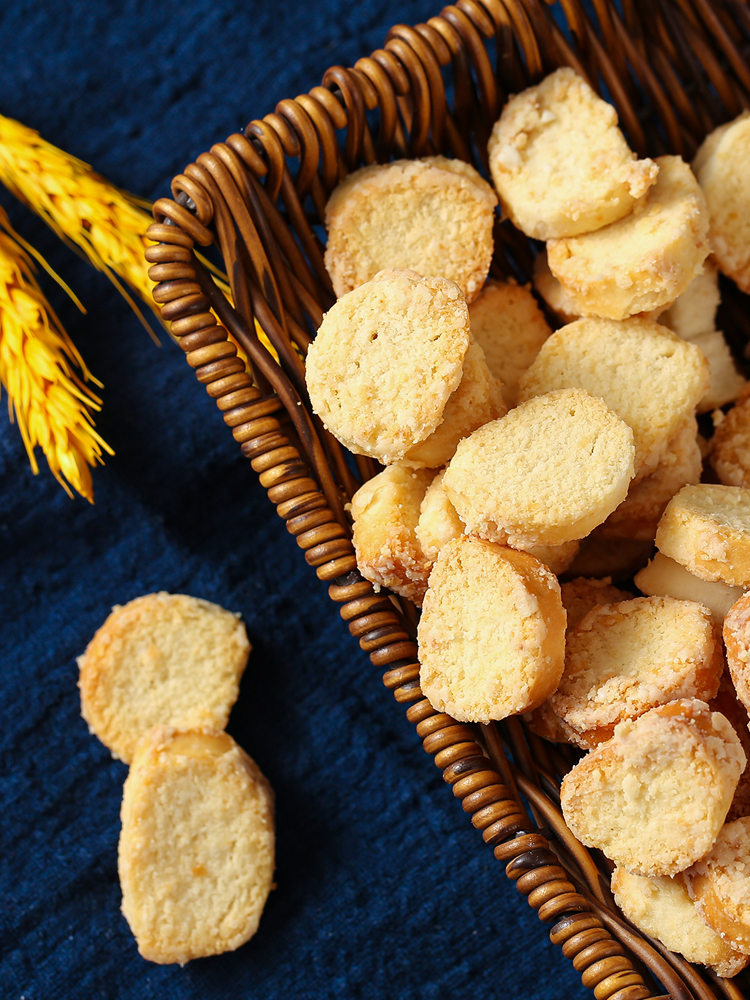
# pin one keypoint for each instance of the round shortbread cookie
(644, 261)
(477, 400)
(654, 797)
(730, 444)
(560, 163)
(433, 216)
(510, 327)
(543, 722)
(479, 591)
(385, 361)
(196, 853)
(546, 473)
(583, 594)
(726, 382)
(161, 659)
(662, 907)
(707, 530)
(680, 465)
(737, 641)
(552, 291)
(624, 659)
(722, 166)
(648, 375)
(727, 702)
(385, 511)
(438, 521)
(694, 311)
(720, 888)
(666, 578)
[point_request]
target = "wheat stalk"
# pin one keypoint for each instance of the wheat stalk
(46, 397)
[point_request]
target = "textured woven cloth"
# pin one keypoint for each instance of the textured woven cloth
(384, 890)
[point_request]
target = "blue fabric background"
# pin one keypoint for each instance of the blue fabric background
(384, 889)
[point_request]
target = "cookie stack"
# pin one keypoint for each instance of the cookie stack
(196, 854)
(524, 469)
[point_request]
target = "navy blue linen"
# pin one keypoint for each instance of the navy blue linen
(383, 888)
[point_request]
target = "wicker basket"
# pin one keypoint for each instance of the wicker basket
(674, 69)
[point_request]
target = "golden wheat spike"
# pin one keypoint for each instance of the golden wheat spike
(37, 369)
(86, 211)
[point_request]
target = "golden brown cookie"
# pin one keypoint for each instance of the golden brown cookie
(624, 659)
(722, 166)
(651, 378)
(510, 327)
(560, 163)
(478, 591)
(662, 907)
(196, 854)
(385, 361)
(654, 797)
(161, 659)
(433, 216)
(707, 530)
(720, 888)
(385, 512)
(643, 261)
(546, 473)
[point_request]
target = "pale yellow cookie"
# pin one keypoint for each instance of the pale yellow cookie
(720, 887)
(730, 445)
(477, 400)
(722, 166)
(552, 291)
(654, 797)
(737, 641)
(433, 216)
(479, 591)
(546, 473)
(438, 521)
(196, 854)
(662, 907)
(707, 530)
(558, 558)
(680, 465)
(385, 361)
(624, 659)
(667, 578)
(545, 723)
(694, 311)
(727, 702)
(161, 659)
(648, 375)
(560, 163)
(385, 512)
(645, 260)
(583, 594)
(510, 327)
(726, 382)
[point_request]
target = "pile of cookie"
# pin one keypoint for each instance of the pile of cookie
(524, 469)
(196, 853)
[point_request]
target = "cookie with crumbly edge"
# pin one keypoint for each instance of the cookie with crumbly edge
(479, 590)
(662, 907)
(737, 642)
(625, 658)
(648, 375)
(706, 529)
(510, 327)
(583, 594)
(546, 473)
(730, 445)
(165, 659)
(432, 215)
(386, 511)
(560, 163)
(385, 361)
(196, 851)
(722, 166)
(643, 261)
(653, 797)
(477, 400)
(719, 886)
(664, 577)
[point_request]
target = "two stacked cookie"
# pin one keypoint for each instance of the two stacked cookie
(196, 853)
(485, 499)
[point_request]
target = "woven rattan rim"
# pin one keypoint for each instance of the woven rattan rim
(674, 69)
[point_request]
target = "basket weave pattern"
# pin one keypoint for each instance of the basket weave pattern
(674, 69)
